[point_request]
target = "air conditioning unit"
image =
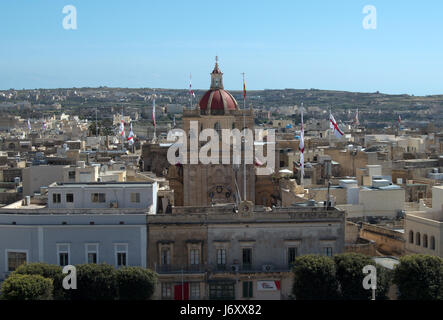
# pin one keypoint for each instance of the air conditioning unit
(235, 268)
(113, 204)
(267, 267)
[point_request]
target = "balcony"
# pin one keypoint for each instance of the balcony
(224, 268)
(249, 268)
(178, 269)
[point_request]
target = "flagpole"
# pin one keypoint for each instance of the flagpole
(244, 130)
(153, 117)
(302, 151)
(96, 129)
(190, 87)
(329, 135)
(123, 124)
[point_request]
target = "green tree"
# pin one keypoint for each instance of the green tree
(349, 272)
(105, 128)
(51, 271)
(419, 277)
(26, 287)
(135, 283)
(94, 282)
(314, 278)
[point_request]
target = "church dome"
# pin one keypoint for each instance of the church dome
(217, 100)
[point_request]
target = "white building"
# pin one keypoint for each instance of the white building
(79, 225)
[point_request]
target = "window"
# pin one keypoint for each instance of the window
(221, 258)
(247, 289)
(425, 240)
(91, 253)
(221, 291)
(247, 258)
(194, 290)
(292, 254)
(194, 256)
(69, 197)
(166, 290)
(217, 127)
(121, 255)
(432, 242)
(16, 259)
(135, 197)
(328, 251)
(56, 198)
(417, 239)
(63, 251)
(411, 236)
(71, 175)
(165, 256)
(98, 197)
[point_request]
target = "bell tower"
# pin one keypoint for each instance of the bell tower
(216, 77)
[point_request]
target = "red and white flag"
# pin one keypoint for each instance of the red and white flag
(333, 125)
(131, 136)
(302, 146)
(122, 128)
(399, 119)
(153, 112)
(257, 162)
(244, 88)
(356, 121)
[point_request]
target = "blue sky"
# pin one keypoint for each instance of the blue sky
(278, 44)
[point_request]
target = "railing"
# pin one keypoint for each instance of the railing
(411, 206)
(169, 269)
(224, 268)
(250, 268)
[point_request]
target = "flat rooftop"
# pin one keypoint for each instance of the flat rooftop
(102, 184)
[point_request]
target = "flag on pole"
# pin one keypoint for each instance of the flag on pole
(191, 92)
(153, 112)
(302, 146)
(122, 128)
(399, 119)
(131, 136)
(333, 125)
(244, 89)
(29, 124)
(356, 121)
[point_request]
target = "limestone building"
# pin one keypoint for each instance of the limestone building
(214, 183)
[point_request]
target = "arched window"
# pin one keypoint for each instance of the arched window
(411, 236)
(417, 239)
(432, 242)
(233, 125)
(425, 240)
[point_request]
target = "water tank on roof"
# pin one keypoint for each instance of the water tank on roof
(380, 183)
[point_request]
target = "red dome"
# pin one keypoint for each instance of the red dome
(218, 99)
